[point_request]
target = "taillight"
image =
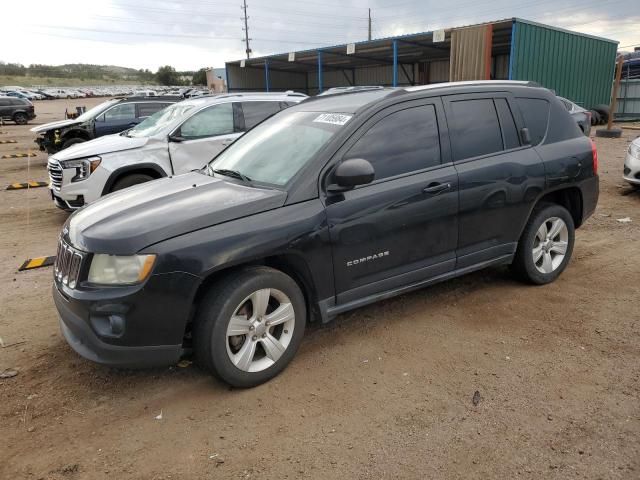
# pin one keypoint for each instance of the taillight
(594, 153)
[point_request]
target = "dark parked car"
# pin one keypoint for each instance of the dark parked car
(113, 116)
(17, 110)
(329, 205)
(581, 115)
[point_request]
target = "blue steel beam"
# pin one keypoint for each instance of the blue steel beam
(319, 71)
(395, 63)
(266, 75)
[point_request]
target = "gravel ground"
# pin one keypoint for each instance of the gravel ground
(382, 392)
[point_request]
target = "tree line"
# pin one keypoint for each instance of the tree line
(166, 75)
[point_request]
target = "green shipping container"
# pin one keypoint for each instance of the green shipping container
(577, 66)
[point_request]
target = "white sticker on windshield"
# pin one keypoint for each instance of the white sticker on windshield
(333, 118)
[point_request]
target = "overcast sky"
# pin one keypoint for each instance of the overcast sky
(190, 34)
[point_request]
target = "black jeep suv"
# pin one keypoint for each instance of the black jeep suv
(332, 204)
(17, 110)
(112, 116)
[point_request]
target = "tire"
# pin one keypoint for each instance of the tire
(21, 118)
(222, 354)
(72, 141)
(550, 263)
(604, 111)
(595, 118)
(130, 181)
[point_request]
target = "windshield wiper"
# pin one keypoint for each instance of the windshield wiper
(232, 174)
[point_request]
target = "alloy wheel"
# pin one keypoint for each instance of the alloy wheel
(260, 330)
(550, 245)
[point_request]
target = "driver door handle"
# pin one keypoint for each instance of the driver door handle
(436, 187)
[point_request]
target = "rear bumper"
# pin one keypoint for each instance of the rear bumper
(590, 189)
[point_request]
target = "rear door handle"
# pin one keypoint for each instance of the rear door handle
(436, 187)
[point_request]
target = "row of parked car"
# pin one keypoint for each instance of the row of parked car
(233, 241)
(57, 93)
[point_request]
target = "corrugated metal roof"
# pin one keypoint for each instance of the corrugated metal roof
(418, 36)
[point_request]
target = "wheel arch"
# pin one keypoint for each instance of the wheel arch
(569, 197)
(76, 133)
(150, 169)
(290, 264)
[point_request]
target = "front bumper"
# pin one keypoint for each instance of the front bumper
(45, 144)
(632, 169)
(132, 327)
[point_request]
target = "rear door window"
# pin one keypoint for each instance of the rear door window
(147, 109)
(475, 129)
(402, 142)
(535, 112)
(255, 112)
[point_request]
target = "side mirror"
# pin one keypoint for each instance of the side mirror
(176, 138)
(525, 136)
(351, 173)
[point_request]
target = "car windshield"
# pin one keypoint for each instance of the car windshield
(159, 120)
(95, 111)
(277, 149)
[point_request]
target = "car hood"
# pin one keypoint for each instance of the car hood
(53, 125)
(129, 220)
(99, 146)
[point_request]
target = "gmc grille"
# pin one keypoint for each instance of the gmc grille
(55, 173)
(68, 266)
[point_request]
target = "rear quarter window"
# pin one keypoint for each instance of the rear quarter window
(535, 112)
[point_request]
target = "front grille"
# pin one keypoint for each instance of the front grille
(55, 173)
(69, 263)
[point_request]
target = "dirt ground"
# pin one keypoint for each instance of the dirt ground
(382, 392)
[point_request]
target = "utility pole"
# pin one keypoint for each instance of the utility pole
(369, 24)
(246, 29)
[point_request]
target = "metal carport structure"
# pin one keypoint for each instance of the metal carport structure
(576, 65)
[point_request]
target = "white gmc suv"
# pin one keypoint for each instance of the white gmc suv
(180, 138)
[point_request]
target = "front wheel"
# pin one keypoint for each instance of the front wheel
(546, 245)
(249, 326)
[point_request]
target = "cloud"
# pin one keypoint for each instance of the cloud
(194, 33)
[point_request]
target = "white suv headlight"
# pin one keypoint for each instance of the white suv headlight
(634, 151)
(120, 270)
(84, 167)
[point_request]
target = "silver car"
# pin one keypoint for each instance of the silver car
(632, 163)
(180, 138)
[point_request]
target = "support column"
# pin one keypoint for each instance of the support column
(319, 71)
(266, 75)
(395, 63)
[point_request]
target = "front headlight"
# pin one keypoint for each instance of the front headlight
(634, 151)
(120, 270)
(84, 167)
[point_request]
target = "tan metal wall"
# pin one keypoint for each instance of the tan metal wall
(439, 71)
(470, 53)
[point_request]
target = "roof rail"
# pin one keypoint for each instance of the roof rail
(471, 83)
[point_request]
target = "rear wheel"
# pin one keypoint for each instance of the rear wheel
(249, 326)
(130, 180)
(20, 118)
(546, 245)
